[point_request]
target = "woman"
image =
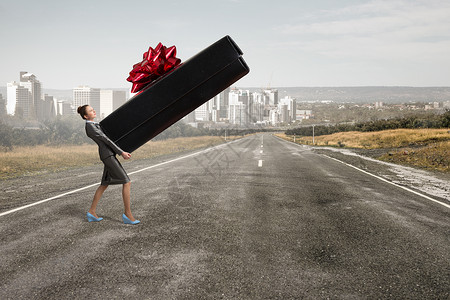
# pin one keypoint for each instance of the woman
(113, 172)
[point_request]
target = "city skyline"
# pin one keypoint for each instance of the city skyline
(286, 44)
(234, 106)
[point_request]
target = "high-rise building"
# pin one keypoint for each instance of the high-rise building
(119, 98)
(215, 109)
(233, 97)
(64, 108)
(274, 117)
(237, 114)
(291, 106)
(47, 109)
(272, 97)
(257, 111)
(240, 107)
(224, 102)
(202, 112)
(257, 114)
(109, 101)
(19, 101)
(283, 113)
(86, 95)
(29, 81)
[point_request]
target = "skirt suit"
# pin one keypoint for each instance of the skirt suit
(113, 172)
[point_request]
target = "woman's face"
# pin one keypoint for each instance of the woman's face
(90, 113)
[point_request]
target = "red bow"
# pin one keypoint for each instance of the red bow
(156, 62)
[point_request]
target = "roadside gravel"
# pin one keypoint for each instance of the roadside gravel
(435, 184)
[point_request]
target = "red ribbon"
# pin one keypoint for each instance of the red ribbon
(156, 62)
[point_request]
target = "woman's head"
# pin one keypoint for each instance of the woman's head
(86, 112)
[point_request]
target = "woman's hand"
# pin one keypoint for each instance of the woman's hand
(126, 155)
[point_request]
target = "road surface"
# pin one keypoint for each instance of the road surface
(258, 218)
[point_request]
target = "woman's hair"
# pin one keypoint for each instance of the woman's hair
(82, 110)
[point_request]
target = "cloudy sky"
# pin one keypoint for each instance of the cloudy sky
(285, 42)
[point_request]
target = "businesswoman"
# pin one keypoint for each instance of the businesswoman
(113, 172)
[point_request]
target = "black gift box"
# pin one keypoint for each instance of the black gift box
(175, 95)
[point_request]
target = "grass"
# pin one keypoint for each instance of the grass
(23, 161)
(435, 156)
(424, 148)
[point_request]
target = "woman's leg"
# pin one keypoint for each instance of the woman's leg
(98, 194)
(127, 200)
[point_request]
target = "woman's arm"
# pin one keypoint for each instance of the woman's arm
(98, 135)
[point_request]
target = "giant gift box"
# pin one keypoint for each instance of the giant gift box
(175, 95)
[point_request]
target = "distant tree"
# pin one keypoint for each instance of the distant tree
(6, 137)
(414, 121)
(445, 119)
(19, 113)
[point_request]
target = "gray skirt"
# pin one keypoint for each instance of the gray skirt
(113, 172)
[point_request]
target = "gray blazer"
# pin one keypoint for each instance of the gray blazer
(106, 147)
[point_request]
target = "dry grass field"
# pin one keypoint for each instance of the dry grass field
(433, 156)
(22, 161)
(424, 148)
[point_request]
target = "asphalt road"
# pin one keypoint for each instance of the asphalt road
(259, 218)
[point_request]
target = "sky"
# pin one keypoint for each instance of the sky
(286, 43)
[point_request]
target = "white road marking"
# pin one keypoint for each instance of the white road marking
(262, 146)
(378, 177)
(260, 151)
(95, 184)
(260, 163)
(45, 200)
(390, 182)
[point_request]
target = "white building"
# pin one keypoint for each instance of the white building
(283, 113)
(304, 114)
(214, 110)
(46, 109)
(239, 107)
(272, 95)
(215, 116)
(202, 112)
(29, 81)
(257, 112)
(233, 97)
(258, 97)
(86, 95)
(109, 101)
(379, 105)
(224, 102)
(63, 108)
(274, 118)
(291, 109)
(19, 100)
(238, 114)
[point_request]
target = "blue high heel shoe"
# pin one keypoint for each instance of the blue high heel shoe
(92, 218)
(128, 221)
